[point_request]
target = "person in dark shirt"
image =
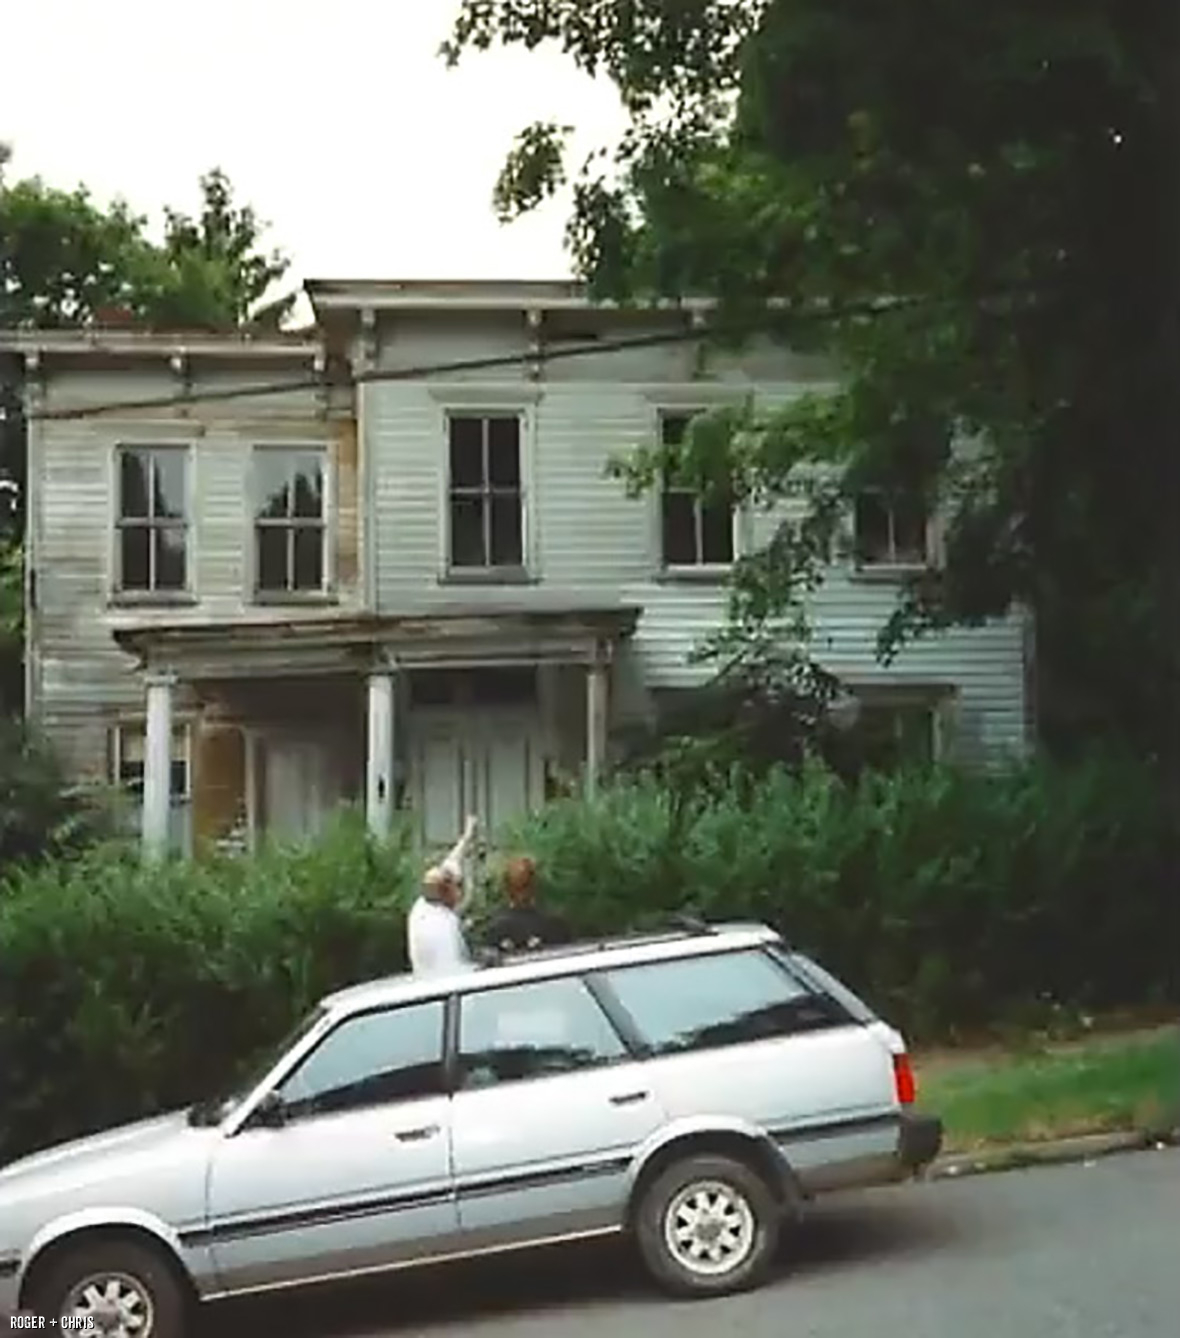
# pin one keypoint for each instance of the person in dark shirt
(523, 925)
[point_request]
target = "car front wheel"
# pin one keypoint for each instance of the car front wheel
(115, 1288)
(708, 1225)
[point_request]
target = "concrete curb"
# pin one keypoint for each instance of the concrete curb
(1055, 1152)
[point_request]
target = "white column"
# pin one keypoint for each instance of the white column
(379, 757)
(157, 765)
(596, 687)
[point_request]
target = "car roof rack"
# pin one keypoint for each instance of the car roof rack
(669, 928)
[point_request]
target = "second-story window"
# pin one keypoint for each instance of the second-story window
(695, 531)
(485, 493)
(892, 529)
(290, 526)
(152, 523)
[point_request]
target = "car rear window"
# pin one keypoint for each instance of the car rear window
(805, 968)
(727, 998)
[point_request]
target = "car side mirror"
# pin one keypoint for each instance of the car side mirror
(270, 1112)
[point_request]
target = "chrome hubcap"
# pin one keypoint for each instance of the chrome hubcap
(113, 1304)
(709, 1228)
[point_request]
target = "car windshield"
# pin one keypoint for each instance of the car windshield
(215, 1109)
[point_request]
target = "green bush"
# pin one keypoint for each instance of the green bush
(949, 900)
(127, 989)
(41, 816)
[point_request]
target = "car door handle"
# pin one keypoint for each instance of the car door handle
(416, 1135)
(628, 1098)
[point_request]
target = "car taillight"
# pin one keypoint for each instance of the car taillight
(903, 1079)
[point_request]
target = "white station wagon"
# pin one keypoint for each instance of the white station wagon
(692, 1089)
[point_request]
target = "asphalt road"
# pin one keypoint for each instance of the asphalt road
(1059, 1252)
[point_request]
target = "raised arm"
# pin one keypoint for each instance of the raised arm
(453, 863)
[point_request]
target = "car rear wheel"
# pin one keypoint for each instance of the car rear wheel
(119, 1289)
(708, 1225)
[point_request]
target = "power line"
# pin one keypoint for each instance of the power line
(423, 370)
(822, 313)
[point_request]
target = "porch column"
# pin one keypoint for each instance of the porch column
(157, 765)
(379, 757)
(596, 689)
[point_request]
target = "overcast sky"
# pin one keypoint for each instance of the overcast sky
(337, 122)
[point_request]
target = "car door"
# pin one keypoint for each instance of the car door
(734, 1035)
(548, 1110)
(356, 1175)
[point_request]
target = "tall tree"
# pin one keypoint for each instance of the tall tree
(976, 211)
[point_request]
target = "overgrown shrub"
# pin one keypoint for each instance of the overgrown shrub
(127, 989)
(41, 815)
(949, 900)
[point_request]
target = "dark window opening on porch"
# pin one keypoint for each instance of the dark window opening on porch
(486, 511)
(892, 529)
(153, 519)
(493, 686)
(893, 735)
(289, 525)
(695, 532)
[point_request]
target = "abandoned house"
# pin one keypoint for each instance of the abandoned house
(385, 565)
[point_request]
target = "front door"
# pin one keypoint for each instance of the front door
(357, 1177)
(549, 1111)
(489, 761)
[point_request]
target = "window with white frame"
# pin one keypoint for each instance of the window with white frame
(151, 522)
(290, 520)
(485, 493)
(892, 529)
(128, 744)
(694, 531)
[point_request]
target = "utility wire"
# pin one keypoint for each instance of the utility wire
(323, 382)
(540, 354)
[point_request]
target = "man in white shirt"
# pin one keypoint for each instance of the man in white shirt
(434, 932)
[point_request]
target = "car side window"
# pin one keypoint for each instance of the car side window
(533, 1031)
(394, 1054)
(698, 1003)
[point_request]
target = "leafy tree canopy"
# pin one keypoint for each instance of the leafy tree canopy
(975, 209)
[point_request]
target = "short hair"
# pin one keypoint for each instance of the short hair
(520, 873)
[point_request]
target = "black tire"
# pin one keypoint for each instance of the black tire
(149, 1285)
(753, 1205)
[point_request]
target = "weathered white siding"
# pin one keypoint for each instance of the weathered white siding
(79, 679)
(589, 541)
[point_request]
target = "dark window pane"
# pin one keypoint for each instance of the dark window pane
(467, 540)
(467, 453)
(170, 557)
(724, 999)
(680, 529)
(309, 557)
(308, 498)
(503, 687)
(179, 778)
(872, 528)
(272, 477)
(890, 736)
(533, 1031)
(909, 529)
(717, 531)
(169, 478)
(507, 545)
(271, 557)
(134, 561)
(133, 483)
(504, 452)
(370, 1060)
(674, 428)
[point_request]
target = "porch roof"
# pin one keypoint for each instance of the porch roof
(430, 637)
